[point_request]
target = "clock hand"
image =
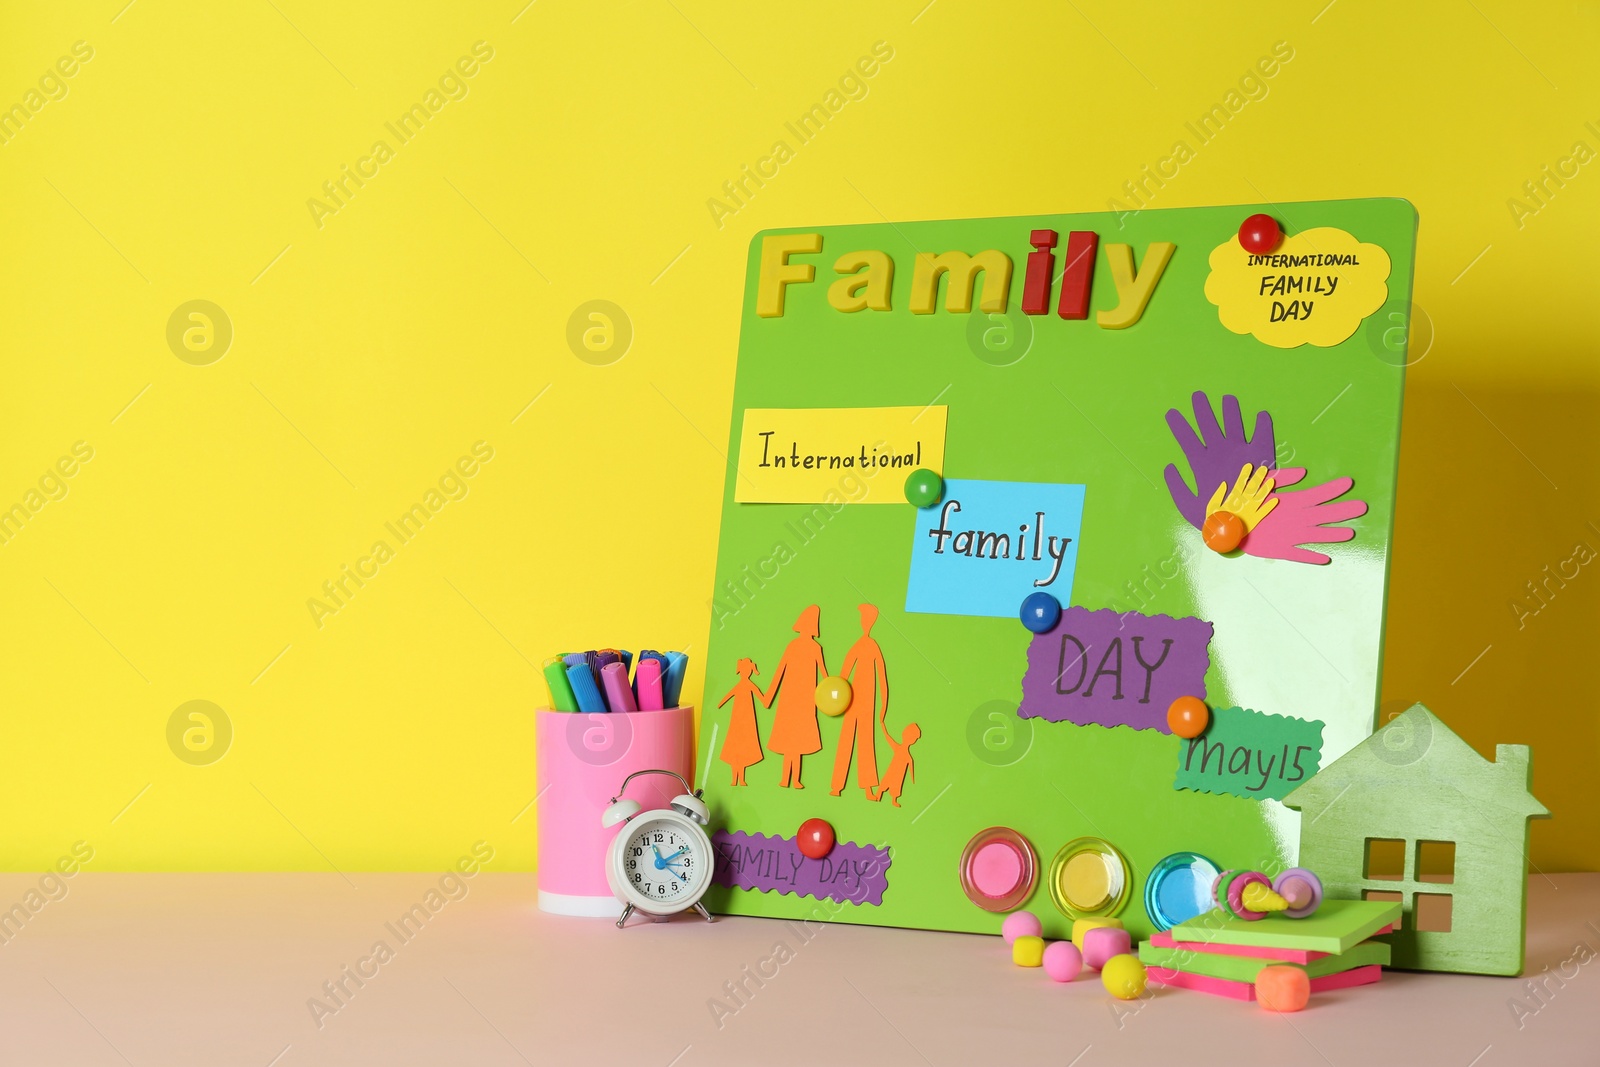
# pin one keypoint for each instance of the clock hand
(676, 854)
(660, 863)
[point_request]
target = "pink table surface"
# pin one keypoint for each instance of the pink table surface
(169, 969)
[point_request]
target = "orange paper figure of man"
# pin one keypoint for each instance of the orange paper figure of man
(894, 779)
(860, 731)
(743, 746)
(794, 726)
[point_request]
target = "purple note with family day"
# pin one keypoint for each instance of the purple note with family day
(1111, 668)
(852, 873)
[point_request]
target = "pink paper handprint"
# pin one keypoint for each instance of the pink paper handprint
(1215, 453)
(1301, 518)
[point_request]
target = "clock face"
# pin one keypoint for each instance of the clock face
(665, 864)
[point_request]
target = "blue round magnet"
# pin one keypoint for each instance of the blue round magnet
(1179, 888)
(1040, 612)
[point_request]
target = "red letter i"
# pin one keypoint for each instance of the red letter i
(1041, 265)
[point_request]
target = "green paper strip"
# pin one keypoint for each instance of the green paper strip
(1245, 969)
(1337, 926)
(1250, 754)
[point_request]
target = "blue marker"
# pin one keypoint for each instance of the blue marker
(627, 658)
(584, 690)
(672, 681)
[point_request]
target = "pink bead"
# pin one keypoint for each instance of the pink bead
(1062, 961)
(1021, 924)
(1103, 942)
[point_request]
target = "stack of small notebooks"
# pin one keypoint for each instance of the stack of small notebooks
(1216, 953)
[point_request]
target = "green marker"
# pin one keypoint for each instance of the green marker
(555, 676)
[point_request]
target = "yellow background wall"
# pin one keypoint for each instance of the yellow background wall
(374, 349)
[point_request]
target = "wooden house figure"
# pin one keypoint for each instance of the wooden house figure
(1414, 814)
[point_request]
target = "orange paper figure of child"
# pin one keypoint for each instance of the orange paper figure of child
(743, 746)
(863, 668)
(901, 765)
(794, 726)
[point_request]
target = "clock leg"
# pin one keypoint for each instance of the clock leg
(701, 908)
(627, 911)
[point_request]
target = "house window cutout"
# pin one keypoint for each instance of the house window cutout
(1385, 859)
(1436, 861)
(1432, 912)
(1384, 894)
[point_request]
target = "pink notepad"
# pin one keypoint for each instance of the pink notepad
(1164, 939)
(1224, 987)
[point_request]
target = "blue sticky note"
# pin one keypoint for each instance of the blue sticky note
(987, 545)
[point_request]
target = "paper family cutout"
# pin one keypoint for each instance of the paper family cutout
(795, 731)
(1218, 456)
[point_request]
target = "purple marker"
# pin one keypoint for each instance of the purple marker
(614, 680)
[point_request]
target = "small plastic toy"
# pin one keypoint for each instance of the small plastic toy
(1089, 878)
(1246, 894)
(1283, 987)
(815, 838)
(1062, 961)
(1040, 612)
(924, 488)
(1102, 943)
(1124, 977)
(833, 696)
(999, 869)
(1188, 717)
(1301, 889)
(1027, 951)
(1021, 924)
(1260, 234)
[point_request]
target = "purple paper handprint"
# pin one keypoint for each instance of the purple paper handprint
(1215, 453)
(1300, 517)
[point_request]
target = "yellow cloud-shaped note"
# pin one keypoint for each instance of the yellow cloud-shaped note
(1314, 289)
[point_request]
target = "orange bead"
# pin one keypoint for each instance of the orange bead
(1188, 717)
(1222, 532)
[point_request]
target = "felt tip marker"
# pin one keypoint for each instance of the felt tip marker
(614, 680)
(584, 691)
(672, 683)
(555, 677)
(647, 684)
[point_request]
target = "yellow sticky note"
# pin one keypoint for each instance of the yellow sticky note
(1315, 288)
(836, 455)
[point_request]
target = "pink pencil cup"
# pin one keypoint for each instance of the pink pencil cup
(582, 760)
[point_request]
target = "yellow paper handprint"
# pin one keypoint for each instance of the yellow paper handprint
(1251, 499)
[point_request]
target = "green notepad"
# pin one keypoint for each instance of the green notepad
(1245, 968)
(1336, 927)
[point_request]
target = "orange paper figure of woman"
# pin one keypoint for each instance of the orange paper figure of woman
(794, 725)
(894, 779)
(743, 746)
(863, 668)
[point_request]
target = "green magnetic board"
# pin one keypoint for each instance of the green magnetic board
(1043, 399)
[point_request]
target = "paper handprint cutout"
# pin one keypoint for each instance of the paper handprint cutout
(1215, 453)
(1300, 518)
(1277, 523)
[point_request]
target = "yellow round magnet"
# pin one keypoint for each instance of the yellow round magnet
(1089, 878)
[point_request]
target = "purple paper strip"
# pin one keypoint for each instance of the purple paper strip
(855, 873)
(1111, 668)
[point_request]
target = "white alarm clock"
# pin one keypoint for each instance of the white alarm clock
(659, 862)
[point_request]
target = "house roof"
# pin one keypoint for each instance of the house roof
(1417, 752)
